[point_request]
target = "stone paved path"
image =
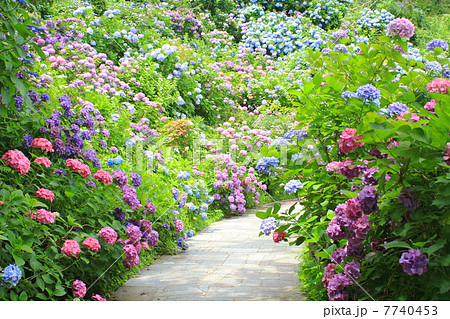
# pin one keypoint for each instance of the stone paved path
(225, 261)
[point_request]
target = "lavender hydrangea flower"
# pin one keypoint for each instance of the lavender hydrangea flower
(396, 108)
(414, 262)
(268, 225)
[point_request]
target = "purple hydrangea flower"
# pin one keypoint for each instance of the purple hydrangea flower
(27, 139)
(414, 262)
(153, 238)
(136, 179)
(368, 199)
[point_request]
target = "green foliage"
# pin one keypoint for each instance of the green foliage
(99, 6)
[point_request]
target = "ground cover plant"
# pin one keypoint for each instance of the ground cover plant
(128, 126)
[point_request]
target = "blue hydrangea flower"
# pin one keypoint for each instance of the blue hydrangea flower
(118, 160)
(184, 175)
(437, 43)
(368, 92)
(340, 48)
(190, 233)
(11, 275)
(268, 225)
(292, 186)
(348, 94)
(181, 242)
(175, 193)
(264, 164)
(204, 216)
(433, 66)
(396, 108)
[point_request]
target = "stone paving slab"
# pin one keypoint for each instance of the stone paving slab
(225, 261)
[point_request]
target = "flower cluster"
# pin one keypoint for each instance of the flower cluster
(77, 166)
(71, 248)
(401, 27)
(268, 225)
(437, 43)
(43, 161)
(103, 177)
(79, 289)
(108, 234)
(265, 164)
(11, 275)
(91, 244)
(293, 186)
(414, 262)
(45, 193)
(43, 216)
(348, 142)
(439, 85)
(351, 223)
(17, 161)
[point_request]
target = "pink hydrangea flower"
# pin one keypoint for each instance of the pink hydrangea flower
(43, 216)
(145, 245)
(401, 27)
(91, 244)
(17, 161)
(71, 248)
(43, 144)
(348, 142)
(45, 193)
(77, 166)
(438, 86)
(108, 234)
(179, 226)
(98, 298)
(43, 161)
(430, 106)
(103, 177)
(79, 289)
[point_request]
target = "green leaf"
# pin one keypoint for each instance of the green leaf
(433, 248)
(23, 296)
(262, 215)
(69, 194)
(396, 244)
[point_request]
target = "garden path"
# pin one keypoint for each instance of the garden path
(225, 261)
